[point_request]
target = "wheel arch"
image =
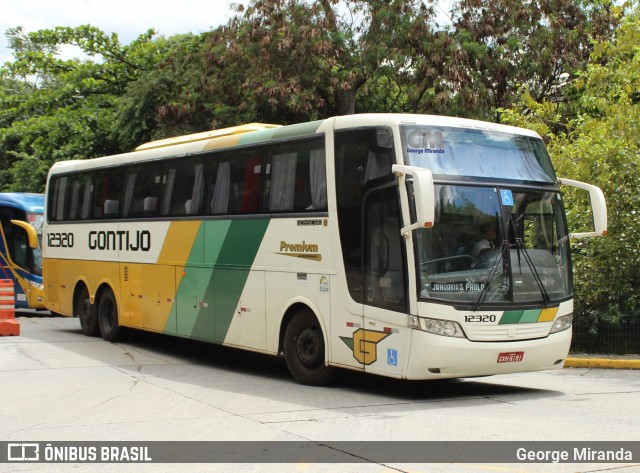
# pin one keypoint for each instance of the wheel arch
(102, 287)
(295, 307)
(80, 284)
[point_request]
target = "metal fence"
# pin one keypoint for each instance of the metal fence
(619, 336)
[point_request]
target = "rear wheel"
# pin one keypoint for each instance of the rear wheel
(108, 317)
(86, 313)
(304, 350)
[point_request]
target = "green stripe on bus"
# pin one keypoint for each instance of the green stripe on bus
(511, 317)
(257, 136)
(301, 129)
(530, 316)
(290, 131)
(228, 277)
(520, 316)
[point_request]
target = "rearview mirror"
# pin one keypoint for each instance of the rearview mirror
(598, 208)
(423, 195)
(31, 232)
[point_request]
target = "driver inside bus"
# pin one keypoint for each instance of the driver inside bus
(488, 241)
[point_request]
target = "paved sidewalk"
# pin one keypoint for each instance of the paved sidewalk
(625, 362)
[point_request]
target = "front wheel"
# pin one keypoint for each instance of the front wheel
(108, 317)
(304, 350)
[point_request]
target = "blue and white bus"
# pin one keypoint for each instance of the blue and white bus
(21, 217)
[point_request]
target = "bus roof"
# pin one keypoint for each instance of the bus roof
(254, 133)
(206, 135)
(24, 201)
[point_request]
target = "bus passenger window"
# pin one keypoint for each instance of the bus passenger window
(283, 180)
(318, 179)
(250, 187)
(78, 200)
(183, 187)
(142, 187)
(106, 194)
(234, 183)
(57, 198)
(220, 193)
(295, 176)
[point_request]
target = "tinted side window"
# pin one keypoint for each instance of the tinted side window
(107, 189)
(384, 263)
(56, 201)
(183, 187)
(234, 185)
(142, 188)
(360, 165)
(296, 177)
(79, 197)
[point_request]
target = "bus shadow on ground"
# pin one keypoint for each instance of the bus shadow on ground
(273, 369)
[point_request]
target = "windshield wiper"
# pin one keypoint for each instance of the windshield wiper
(536, 277)
(494, 268)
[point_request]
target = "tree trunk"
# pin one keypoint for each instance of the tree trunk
(346, 100)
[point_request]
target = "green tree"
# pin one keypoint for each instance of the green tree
(174, 97)
(600, 143)
(54, 109)
(287, 61)
(539, 44)
(313, 59)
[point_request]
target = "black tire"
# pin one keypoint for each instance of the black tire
(304, 350)
(108, 317)
(86, 313)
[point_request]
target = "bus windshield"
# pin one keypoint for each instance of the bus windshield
(493, 245)
(474, 153)
(36, 220)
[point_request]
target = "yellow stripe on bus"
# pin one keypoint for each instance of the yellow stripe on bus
(178, 242)
(547, 315)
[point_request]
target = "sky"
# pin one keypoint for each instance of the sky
(128, 18)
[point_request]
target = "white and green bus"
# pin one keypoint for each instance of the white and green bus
(410, 246)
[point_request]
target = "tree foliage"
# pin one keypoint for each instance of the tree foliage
(55, 109)
(538, 44)
(599, 142)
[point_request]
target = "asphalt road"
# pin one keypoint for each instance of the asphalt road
(58, 385)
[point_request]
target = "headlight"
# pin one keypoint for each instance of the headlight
(35, 284)
(446, 328)
(562, 323)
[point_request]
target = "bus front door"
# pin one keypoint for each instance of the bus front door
(387, 337)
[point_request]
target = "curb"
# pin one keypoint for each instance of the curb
(606, 363)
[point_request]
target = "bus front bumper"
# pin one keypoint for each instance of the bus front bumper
(437, 357)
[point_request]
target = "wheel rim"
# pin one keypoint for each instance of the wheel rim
(309, 347)
(85, 310)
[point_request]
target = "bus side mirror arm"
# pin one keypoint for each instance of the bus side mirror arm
(423, 195)
(31, 232)
(598, 207)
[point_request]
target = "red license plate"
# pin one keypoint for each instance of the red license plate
(511, 357)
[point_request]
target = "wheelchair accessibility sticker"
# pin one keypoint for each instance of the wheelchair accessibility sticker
(392, 357)
(507, 197)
